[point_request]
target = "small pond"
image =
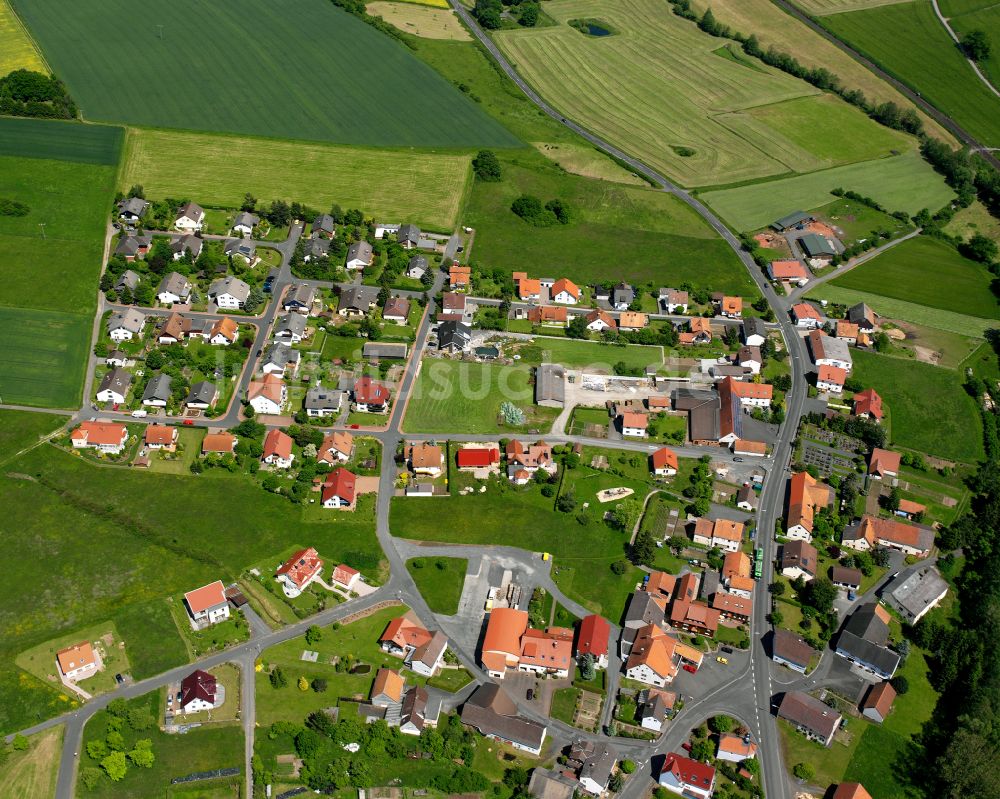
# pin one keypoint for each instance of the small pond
(361, 668)
(592, 27)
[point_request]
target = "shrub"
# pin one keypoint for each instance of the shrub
(619, 567)
(804, 771)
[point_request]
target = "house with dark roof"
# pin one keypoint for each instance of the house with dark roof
(132, 209)
(244, 249)
(321, 401)
(114, 386)
(323, 226)
(790, 650)
(915, 595)
(357, 300)
(173, 288)
(228, 292)
(493, 713)
(315, 248)
(550, 385)
(202, 395)
(199, 691)
(809, 716)
(157, 393)
(190, 217)
(622, 296)
(290, 328)
(359, 255)
(408, 236)
(131, 247)
(397, 309)
(280, 359)
(863, 640)
(189, 243)
(597, 766)
(300, 298)
(792, 220)
(454, 337)
(244, 223)
(416, 267)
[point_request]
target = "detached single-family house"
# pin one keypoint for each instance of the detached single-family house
(749, 358)
(788, 271)
(190, 217)
(77, 662)
(157, 393)
(359, 255)
(843, 577)
(114, 386)
(872, 532)
(290, 328)
(416, 268)
(664, 462)
(883, 464)
(598, 321)
(459, 277)
(596, 768)
(789, 649)
(652, 659)
(528, 289)
(687, 777)
(127, 280)
(397, 309)
(370, 396)
(846, 331)
(878, 702)
(267, 395)
(315, 248)
(806, 495)
(493, 713)
(592, 636)
(809, 716)
(223, 332)
(337, 447)
(357, 300)
(244, 223)
(654, 704)
(173, 288)
(634, 424)
(735, 748)
(868, 405)
(116, 358)
(300, 299)
(863, 316)
(699, 332)
(565, 292)
(278, 449)
(321, 401)
(131, 247)
(280, 359)
(831, 378)
(408, 236)
(339, 489)
(425, 459)
(202, 395)
(799, 559)
(548, 315)
(199, 691)
(806, 316)
(207, 605)
(632, 320)
(673, 301)
(345, 578)
(243, 249)
(754, 333)
(186, 244)
(323, 227)
(228, 292)
(218, 444)
(132, 209)
(730, 307)
(746, 498)
(622, 296)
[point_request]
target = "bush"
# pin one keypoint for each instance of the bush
(619, 567)
(486, 166)
(804, 771)
(628, 766)
(900, 684)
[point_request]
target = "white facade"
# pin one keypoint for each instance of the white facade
(798, 533)
(336, 502)
(168, 298)
(637, 432)
(278, 462)
(644, 674)
(826, 385)
(227, 301)
(110, 395)
(120, 334)
(188, 224)
(725, 544)
(265, 405)
(564, 298)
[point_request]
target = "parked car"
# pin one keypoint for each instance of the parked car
(727, 649)
(530, 694)
(688, 667)
(722, 660)
(119, 679)
(189, 422)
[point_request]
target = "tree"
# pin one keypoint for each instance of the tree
(487, 13)
(515, 777)
(777, 589)
(976, 45)
(529, 15)
(721, 724)
(616, 782)
(979, 248)
(313, 634)
(486, 167)
(155, 359)
(566, 502)
(249, 202)
(90, 777)
(20, 743)
(643, 549)
(277, 678)
(702, 749)
(820, 594)
(319, 685)
(142, 754)
(900, 684)
(115, 741)
(588, 667)
(115, 766)
(619, 566)
(625, 514)
(254, 299)
(577, 327)
(891, 502)
(97, 749)
(628, 766)
(279, 213)
(804, 771)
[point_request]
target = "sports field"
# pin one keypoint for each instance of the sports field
(46, 357)
(920, 53)
(658, 84)
(615, 230)
(927, 272)
(426, 188)
(300, 69)
(904, 183)
(421, 20)
(17, 51)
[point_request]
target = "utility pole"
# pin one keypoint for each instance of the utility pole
(42, 226)
(159, 31)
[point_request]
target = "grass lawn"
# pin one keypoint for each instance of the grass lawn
(921, 54)
(902, 183)
(927, 272)
(589, 162)
(87, 43)
(915, 394)
(31, 774)
(829, 763)
(202, 749)
(880, 763)
(188, 448)
(649, 235)
(589, 355)
(857, 220)
(584, 417)
(22, 429)
(427, 187)
(162, 646)
(40, 661)
(563, 706)
(439, 581)
(452, 395)
(450, 680)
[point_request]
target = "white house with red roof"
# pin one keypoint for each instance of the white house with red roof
(296, 573)
(278, 449)
(207, 605)
(267, 395)
(687, 777)
(370, 396)
(806, 316)
(200, 691)
(634, 424)
(664, 462)
(78, 662)
(735, 749)
(830, 378)
(345, 578)
(592, 638)
(565, 292)
(102, 436)
(339, 489)
(868, 405)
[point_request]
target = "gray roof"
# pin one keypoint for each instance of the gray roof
(793, 219)
(408, 233)
(814, 244)
(317, 248)
(703, 412)
(361, 250)
(642, 610)
(545, 784)
(491, 711)
(245, 218)
(417, 262)
(175, 283)
(130, 319)
(831, 348)
(187, 242)
(622, 293)
(322, 224)
(300, 296)
(878, 658)
(384, 349)
(136, 206)
(281, 355)
(911, 595)
(118, 380)
(291, 323)
(242, 247)
(599, 765)
(747, 494)
(202, 392)
(128, 278)
(229, 285)
(320, 398)
(454, 336)
(358, 297)
(191, 210)
(130, 245)
(791, 647)
(807, 711)
(861, 314)
(799, 554)
(429, 653)
(549, 383)
(753, 326)
(158, 388)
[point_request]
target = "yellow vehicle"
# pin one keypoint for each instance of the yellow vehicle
(721, 659)
(546, 556)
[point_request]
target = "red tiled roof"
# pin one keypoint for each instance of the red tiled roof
(278, 444)
(339, 483)
(882, 460)
(634, 419)
(101, 433)
(301, 567)
(75, 657)
(343, 574)
(751, 390)
(664, 458)
(592, 636)
(403, 632)
(688, 771)
(218, 442)
(851, 790)
(208, 596)
(368, 392)
(868, 401)
(786, 270)
(804, 310)
(563, 284)
(477, 457)
(198, 685)
(160, 434)
(832, 374)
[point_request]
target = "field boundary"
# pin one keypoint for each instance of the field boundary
(19, 24)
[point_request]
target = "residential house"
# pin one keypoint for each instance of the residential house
(699, 332)
(664, 463)
(788, 649)
(732, 606)
(846, 331)
(828, 351)
(726, 534)
(598, 321)
(268, 395)
(652, 658)
(127, 280)
(851, 790)
(173, 288)
(244, 223)
(788, 271)
(799, 559)
(77, 662)
(547, 652)
(632, 320)
(278, 449)
(397, 309)
(173, 329)
(528, 289)
(735, 748)
(417, 266)
(202, 395)
(315, 248)
(199, 691)
(548, 315)
(878, 702)
(131, 247)
(749, 358)
(806, 495)
(387, 689)
(207, 605)
(480, 460)
(501, 649)
(160, 436)
(229, 292)
(529, 458)
(339, 489)
(863, 316)
(831, 378)
(408, 236)
(280, 359)
(299, 299)
(750, 395)
(882, 464)
(190, 218)
(359, 255)
(687, 777)
(132, 209)
(844, 577)
(345, 578)
(413, 716)
(402, 637)
(592, 636)
(290, 328)
(114, 386)
(454, 337)
(427, 658)
(673, 301)
(370, 396)
(746, 498)
(323, 227)
(868, 405)
(622, 296)
(244, 249)
(454, 308)
(694, 617)
(321, 401)
(425, 459)
(218, 444)
(644, 607)
(654, 705)
(545, 784)
(806, 316)
(357, 300)
(735, 564)
(224, 332)
(459, 277)
(597, 766)
(337, 447)
(809, 716)
(493, 713)
(754, 332)
(565, 292)
(298, 572)
(189, 244)
(157, 393)
(863, 640)
(872, 532)
(730, 307)
(634, 424)
(116, 358)
(915, 595)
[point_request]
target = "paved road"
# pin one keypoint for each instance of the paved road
(954, 38)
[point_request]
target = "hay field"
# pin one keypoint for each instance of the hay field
(218, 170)
(300, 69)
(17, 51)
(420, 20)
(31, 774)
(584, 160)
(821, 7)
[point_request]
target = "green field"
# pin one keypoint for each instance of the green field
(60, 141)
(821, 7)
(927, 272)
(648, 235)
(47, 358)
(920, 53)
(929, 409)
(426, 188)
(167, 534)
(660, 85)
(578, 354)
(439, 581)
(452, 396)
(32, 774)
(904, 183)
(22, 429)
(301, 69)
(984, 15)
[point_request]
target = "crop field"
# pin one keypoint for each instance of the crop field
(920, 53)
(31, 774)
(659, 85)
(916, 393)
(450, 396)
(927, 272)
(17, 51)
(424, 187)
(167, 537)
(821, 7)
(903, 183)
(60, 140)
(645, 234)
(984, 15)
(46, 357)
(421, 20)
(299, 69)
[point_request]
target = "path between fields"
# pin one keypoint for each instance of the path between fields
(954, 38)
